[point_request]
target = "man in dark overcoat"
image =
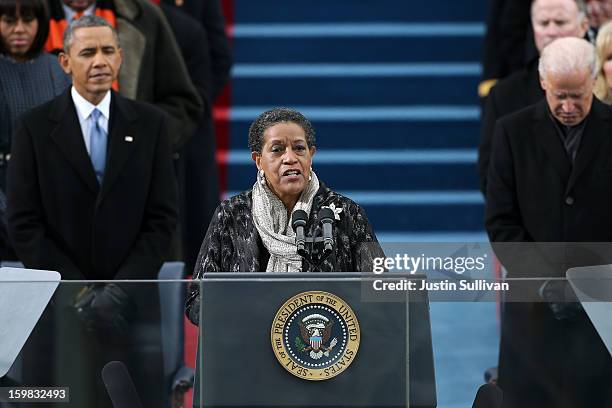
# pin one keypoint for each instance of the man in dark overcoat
(549, 182)
(92, 194)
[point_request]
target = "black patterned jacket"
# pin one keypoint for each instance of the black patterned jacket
(232, 243)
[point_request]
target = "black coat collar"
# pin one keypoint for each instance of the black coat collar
(531, 77)
(596, 132)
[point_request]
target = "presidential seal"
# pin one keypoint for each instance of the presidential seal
(315, 335)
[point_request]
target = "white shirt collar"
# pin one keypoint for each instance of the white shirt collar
(70, 13)
(84, 107)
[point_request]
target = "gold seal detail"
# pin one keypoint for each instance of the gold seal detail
(315, 335)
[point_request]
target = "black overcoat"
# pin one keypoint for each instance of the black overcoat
(509, 95)
(535, 195)
(60, 218)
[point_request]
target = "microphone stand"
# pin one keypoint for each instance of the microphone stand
(310, 252)
(307, 246)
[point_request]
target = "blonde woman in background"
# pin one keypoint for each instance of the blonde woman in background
(603, 84)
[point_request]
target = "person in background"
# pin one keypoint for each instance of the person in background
(508, 42)
(210, 15)
(551, 19)
(28, 78)
(603, 84)
(599, 12)
(197, 167)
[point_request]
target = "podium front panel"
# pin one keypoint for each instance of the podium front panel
(240, 369)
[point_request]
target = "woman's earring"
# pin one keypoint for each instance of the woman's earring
(262, 177)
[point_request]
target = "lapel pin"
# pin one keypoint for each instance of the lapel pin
(129, 139)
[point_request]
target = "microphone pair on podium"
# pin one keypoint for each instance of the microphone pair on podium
(306, 245)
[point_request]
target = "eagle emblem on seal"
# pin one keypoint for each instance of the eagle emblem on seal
(315, 331)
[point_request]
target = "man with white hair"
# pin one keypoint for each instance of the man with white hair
(550, 181)
(551, 19)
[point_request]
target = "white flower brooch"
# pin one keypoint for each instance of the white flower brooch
(336, 211)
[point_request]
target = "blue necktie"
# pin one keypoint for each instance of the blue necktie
(97, 145)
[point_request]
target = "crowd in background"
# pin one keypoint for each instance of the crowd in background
(176, 56)
(543, 163)
(509, 40)
(107, 169)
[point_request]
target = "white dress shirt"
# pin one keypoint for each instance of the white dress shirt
(84, 109)
(70, 13)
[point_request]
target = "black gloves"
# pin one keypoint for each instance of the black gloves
(561, 299)
(104, 308)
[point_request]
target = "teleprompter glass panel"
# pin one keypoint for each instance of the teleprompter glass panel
(95, 342)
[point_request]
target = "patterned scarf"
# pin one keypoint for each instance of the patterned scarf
(274, 224)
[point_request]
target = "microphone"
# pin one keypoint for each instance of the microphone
(298, 223)
(488, 396)
(120, 386)
(326, 215)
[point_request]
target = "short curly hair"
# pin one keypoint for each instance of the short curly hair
(273, 117)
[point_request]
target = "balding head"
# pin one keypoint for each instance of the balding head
(552, 19)
(568, 67)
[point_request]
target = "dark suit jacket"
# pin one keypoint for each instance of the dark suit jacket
(516, 92)
(508, 42)
(516, 42)
(197, 168)
(155, 68)
(194, 44)
(534, 194)
(210, 15)
(60, 218)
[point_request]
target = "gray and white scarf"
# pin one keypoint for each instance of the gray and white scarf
(274, 224)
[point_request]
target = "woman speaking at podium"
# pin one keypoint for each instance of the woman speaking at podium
(253, 231)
